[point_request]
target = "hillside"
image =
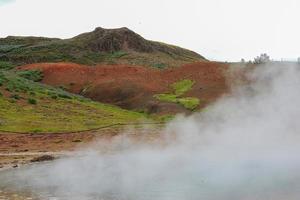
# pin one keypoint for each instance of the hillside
(101, 46)
(175, 90)
(29, 106)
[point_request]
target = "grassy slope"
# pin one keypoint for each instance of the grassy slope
(24, 50)
(53, 110)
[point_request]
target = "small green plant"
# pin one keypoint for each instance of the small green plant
(33, 75)
(64, 96)
(6, 65)
(15, 96)
(160, 65)
(53, 96)
(32, 101)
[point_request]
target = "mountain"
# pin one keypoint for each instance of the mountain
(101, 46)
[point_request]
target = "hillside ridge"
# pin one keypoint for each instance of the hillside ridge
(105, 46)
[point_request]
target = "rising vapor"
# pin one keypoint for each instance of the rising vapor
(243, 147)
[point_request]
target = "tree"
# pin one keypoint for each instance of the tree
(263, 58)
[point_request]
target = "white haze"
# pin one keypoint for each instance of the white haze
(217, 29)
(244, 147)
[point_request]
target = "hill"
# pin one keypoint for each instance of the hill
(175, 90)
(101, 46)
(29, 106)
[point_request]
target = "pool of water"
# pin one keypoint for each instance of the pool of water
(203, 180)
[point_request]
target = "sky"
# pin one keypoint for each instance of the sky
(223, 30)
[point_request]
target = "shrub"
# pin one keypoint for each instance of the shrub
(54, 96)
(33, 75)
(65, 96)
(32, 101)
(160, 65)
(6, 65)
(15, 96)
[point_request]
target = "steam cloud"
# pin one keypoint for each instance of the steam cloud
(244, 147)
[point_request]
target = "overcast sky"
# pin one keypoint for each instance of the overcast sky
(225, 30)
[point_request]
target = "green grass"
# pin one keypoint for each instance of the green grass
(189, 102)
(6, 65)
(62, 115)
(34, 75)
(28, 106)
(167, 97)
(183, 86)
(179, 89)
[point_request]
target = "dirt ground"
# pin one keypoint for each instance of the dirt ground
(20, 149)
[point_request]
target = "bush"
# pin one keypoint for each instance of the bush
(15, 96)
(65, 96)
(33, 75)
(32, 101)
(262, 59)
(54, 96)
(6, 65)
(160, 65)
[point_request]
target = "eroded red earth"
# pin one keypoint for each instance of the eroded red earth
(133, 87)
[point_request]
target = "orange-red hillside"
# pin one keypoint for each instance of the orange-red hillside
(133, 87)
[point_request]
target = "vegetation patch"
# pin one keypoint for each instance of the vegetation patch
(6, 65)
(183, 86)
(189, 102)
(179, 89)
(33, 75)
(32, 101)
(28, 106)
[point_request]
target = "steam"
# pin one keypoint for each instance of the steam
(244, 147)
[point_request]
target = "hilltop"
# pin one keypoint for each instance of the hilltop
(101, 46)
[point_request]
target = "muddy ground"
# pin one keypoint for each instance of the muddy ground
(21, 149)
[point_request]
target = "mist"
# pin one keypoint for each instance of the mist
(243, 147)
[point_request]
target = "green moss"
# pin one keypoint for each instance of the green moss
(183, 86)
(189, 102)
(33, 75)
(179, 89)
(167, 97)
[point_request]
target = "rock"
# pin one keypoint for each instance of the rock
(43, 158)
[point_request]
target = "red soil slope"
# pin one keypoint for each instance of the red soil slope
(133, 87)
